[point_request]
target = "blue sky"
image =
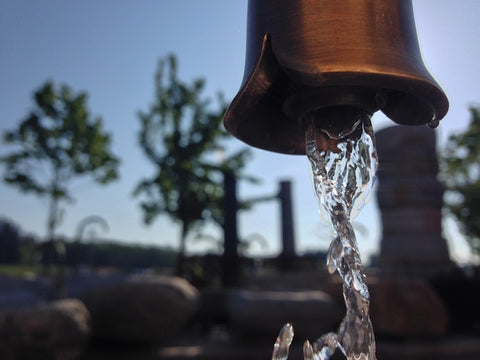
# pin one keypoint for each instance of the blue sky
(110, 49)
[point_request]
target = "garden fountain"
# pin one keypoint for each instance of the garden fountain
(315, 72)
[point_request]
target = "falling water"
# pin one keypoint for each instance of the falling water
(343, 166)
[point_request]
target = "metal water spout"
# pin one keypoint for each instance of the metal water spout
(334, 58)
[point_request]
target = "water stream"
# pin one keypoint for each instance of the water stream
(343, 163)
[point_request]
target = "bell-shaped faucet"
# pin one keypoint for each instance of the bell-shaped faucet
(334, 59)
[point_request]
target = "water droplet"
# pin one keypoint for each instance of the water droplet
(433, 123)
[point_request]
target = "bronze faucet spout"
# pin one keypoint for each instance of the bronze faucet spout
(306, 55)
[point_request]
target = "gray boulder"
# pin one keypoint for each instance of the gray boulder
(407, 308)
(55, 330)
(142, 309)
(263, 313)
(402, 308)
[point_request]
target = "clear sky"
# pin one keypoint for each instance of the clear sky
(110, 49)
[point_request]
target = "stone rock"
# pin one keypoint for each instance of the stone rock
(142, 309)
(406, 150)
(405, 308)
(414, 191)
(56, 330)
(263, 313)
(410, 199)
(401, 308)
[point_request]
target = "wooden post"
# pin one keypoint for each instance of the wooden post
(288, 238)
(230, 264)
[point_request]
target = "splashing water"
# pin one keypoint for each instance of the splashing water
(282, 345)
(343, 169)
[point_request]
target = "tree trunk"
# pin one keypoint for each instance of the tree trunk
(52, 218)
(180, 265)
(49, 248)
(52, 221)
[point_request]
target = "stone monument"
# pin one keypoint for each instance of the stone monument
(410, 198)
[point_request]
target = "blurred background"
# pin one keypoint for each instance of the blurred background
(112, 52)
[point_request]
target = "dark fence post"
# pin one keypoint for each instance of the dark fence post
(230, 259)
(287, 256)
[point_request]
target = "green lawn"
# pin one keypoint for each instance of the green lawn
(18, 270)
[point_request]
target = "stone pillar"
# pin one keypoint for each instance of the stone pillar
(410, 199)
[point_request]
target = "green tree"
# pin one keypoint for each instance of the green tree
(57, 142)
(461, 177)
(180, 136)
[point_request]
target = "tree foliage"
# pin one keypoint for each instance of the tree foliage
(182, 137)
(461, 177)
(57, 141)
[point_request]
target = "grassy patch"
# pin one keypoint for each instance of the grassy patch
(18, 270)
